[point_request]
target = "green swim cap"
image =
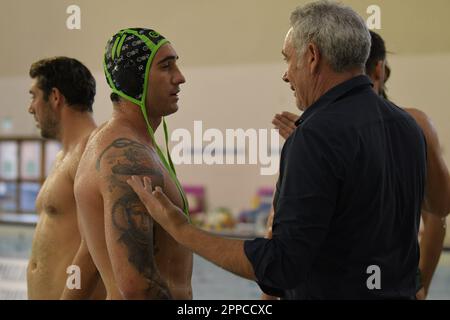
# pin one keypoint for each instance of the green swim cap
(128, 57)
(127, 61)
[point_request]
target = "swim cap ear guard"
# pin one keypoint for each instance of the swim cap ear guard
(128, 57)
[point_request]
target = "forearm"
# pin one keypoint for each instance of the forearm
(136, 283)
(88, 285)
(89, 277)
(135, 272)
(226, 253)
(431, 245)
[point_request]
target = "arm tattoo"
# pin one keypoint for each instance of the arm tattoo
(130, 146)
(129, 216)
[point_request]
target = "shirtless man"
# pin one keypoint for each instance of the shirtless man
(62, 94)
(436, 205)
(136, 258)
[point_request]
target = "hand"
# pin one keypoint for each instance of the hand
(265, 296)
(421, 294)
(162, 210)
(285, 122)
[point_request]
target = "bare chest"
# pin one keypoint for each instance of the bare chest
(56, 194)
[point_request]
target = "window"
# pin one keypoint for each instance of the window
(24, 164)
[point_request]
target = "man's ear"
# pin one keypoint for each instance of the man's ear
(56, 98)
(313, 58)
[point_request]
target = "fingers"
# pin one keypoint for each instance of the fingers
(147, 184)
(286, 121)
(285, 133)
(283, 130)
(280, 124)
(143, 188)
(135, 183)
(277, 123)
(162, 198)
(289, 115)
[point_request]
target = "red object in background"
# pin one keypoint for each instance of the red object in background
(196, 197)
(265, 194)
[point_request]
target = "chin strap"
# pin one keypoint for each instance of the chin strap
(168, 164)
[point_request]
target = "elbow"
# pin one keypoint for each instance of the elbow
(132, 295)
(281, 267)
(129, 295)
(284, 272)
(439, 207)
(441, 211)
(134, 290)
(446, 209)
(447, 203)
(131, 290)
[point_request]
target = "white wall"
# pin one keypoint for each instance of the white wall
(247, 96)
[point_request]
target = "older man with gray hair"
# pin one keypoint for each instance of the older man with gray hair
(352, 174)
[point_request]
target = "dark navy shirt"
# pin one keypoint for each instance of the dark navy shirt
(347, 202)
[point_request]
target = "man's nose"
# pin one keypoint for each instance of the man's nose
(179, 77)
(30, 109)
(284, 77)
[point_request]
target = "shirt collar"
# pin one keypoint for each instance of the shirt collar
(333, 94)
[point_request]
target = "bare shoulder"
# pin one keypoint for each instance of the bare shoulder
(94, 139)
(422, 119)
(75, 155)
(429, 131)
(81, 146)
(121, 153)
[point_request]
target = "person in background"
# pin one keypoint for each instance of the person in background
(436, 205)
(62, 94)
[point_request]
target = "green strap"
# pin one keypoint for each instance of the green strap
(165, 163)
(166, 137)
(114, 47)
(119, 46)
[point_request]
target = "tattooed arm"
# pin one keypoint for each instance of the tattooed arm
(128, 228)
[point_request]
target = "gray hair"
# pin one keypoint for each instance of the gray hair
(337, 30)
